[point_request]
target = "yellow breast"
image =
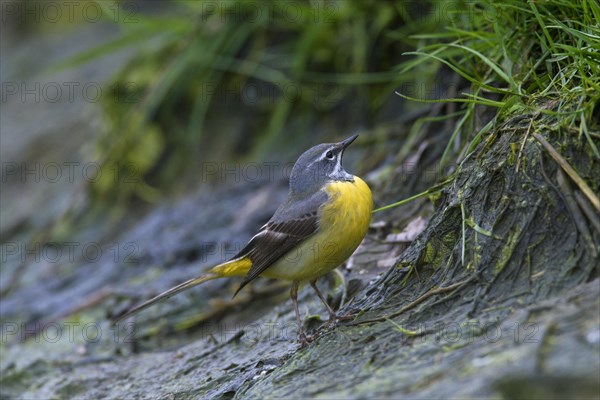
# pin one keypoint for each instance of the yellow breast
(345, 218)
(344, 221)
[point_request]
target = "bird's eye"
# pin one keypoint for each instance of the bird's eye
(329, 155)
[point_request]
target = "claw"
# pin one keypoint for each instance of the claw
(305, 339)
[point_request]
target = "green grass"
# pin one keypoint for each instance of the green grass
(520, 56)
(516, 56)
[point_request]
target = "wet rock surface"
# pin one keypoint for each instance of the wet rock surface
(504, 305)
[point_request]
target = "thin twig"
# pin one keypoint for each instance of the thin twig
(575, 211)
(416, 302)
(522, 146)
(588, 210)
(570, 171)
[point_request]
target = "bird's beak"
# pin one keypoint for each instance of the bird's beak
(347, 142)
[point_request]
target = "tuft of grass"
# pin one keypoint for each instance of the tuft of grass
(517, 55)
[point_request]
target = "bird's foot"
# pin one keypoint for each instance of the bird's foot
(334, 318)
(305, 339)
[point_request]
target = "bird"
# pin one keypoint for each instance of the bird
(324, 218)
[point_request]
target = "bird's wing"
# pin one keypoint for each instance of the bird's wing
(294, 221)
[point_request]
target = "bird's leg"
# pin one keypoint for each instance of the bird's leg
(294, 296)
(332, 314)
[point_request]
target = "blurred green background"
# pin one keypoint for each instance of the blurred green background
(191, 82)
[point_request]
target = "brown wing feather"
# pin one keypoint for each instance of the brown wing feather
(274, 241)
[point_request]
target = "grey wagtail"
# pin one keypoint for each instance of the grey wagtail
(323, 220)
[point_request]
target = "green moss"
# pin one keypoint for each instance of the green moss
(508, 249)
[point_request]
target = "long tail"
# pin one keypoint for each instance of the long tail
(237, 267)
(165, 295)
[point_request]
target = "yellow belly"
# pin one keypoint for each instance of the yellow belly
(345, 219)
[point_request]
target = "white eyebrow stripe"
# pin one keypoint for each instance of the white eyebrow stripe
(323, 156)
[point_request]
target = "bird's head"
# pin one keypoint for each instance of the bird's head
(319, 165)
